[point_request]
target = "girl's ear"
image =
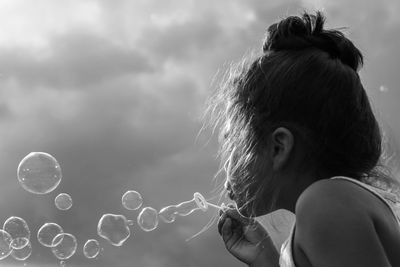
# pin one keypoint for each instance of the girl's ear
(282, 142)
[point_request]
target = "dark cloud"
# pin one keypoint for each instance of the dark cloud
(75, 60)
(184, 40)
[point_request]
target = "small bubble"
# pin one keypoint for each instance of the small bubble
(47, 233)
(132, 200)
(5, 244)
(62, 263)
(63, 201)
(22, 253)
(114, 228)
(148, 219)
(18, 230)
(64, 246)
(91, 248)
(39, 173)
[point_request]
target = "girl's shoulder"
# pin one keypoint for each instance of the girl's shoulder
(347, 193)
(345, 197)
(333, 193)
(334, 212)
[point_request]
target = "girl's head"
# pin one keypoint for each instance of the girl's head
(304, 81)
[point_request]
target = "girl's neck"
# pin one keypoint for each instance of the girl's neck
(291, 191)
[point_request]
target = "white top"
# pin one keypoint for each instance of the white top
(286, 257)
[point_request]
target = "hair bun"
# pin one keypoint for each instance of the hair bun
(297, 33)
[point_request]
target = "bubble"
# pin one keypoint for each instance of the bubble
(148, 219)
(18, 230)
(91, 248)
(132, 200)
(64, 246)
(47, 233)
(63, 201)
(39, 173)
(22, 253)
(5, 244)
(114, 228)
(62, 263)
(167, 214)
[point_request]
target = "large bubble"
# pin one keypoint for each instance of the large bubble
(64, 246)
(148, 219)
(132, 200)
(39, 173)
(47, 233)
(22, 253)
(5, 244)
(91, 248)
(114, 228)
(18, 230)
(63, 201)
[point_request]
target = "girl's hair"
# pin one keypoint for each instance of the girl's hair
(306, 79)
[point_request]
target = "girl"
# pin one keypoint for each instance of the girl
(298, 133)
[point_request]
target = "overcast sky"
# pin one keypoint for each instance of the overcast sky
(115, 90)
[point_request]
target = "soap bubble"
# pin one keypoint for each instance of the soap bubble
(64, 246)
(39, 173)
(63, 201)
(5, 244)
(18, 230)
(47, 233)
(167, 214)
(114, 228)
(132, 200)
(148, 219)
(185, 208)
(22, 253)
(91, 248)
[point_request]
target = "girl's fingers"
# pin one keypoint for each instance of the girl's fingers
(226, 230)
(232, 233)
(233, 213)
(235, 216)
(226, 207)
(221, 221)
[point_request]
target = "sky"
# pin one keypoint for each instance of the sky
(116, 90)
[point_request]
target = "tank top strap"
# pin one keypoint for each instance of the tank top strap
(390, 199)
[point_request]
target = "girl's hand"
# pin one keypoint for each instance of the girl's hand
(246, 239)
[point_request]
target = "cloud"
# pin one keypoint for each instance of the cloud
(74, 60)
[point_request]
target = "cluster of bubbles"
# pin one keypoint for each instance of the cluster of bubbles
(40, 173)
(115, 227)
(15, 239)
(63, 245)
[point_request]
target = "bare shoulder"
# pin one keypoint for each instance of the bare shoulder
(334, 226)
